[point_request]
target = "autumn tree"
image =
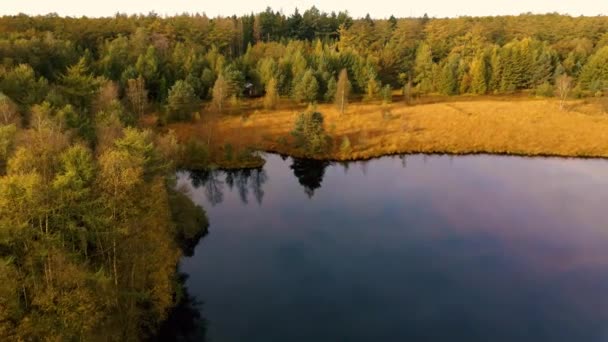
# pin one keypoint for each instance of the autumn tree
(220, 93)
(271, 99)
(343, 88)
(479, 75)
(423, 68)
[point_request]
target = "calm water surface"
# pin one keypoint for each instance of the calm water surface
(416, 248)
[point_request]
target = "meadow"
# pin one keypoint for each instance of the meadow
(512, 125)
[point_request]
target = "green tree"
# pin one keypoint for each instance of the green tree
(306, 90)
(448, 83)
(594, 75)
(182, 102)
(79, 86)
(309, 133)
(21, 85)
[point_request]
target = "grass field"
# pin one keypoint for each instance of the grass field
(501, 125)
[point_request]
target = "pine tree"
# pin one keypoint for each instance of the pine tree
(343, 88)
(307, 88)
(182, 102)
(332, 88)
(594, 75)
(448, 82)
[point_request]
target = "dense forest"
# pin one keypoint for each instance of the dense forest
(91, 224)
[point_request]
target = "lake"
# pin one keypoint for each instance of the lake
(410, 248)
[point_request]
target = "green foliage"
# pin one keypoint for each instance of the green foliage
(594, 75)
(194, 155)
(309, 133)
(182, 102)
(79, 86)
(21, 85)
(448, 84)
(306, 90)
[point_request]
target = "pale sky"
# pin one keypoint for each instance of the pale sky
(357, 8)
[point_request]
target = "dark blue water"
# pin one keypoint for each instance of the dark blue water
(477, 248)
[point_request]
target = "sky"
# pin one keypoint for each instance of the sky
(357, 8)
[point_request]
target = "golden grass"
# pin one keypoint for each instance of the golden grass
(498, 126)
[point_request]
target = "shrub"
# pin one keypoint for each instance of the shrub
(545, 90)
(194, 155)
(345, 147)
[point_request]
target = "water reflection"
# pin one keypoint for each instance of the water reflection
(185, 322)
(245, 182)
(476, 248)
(309, 173)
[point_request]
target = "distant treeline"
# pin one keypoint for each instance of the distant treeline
(450, 56)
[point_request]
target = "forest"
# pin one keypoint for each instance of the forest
(93, 110)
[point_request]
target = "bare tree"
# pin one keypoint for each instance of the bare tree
(563, 85)
(137, 95)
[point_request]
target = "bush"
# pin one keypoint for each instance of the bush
(545, 90)
(345, 147)
(194, 155)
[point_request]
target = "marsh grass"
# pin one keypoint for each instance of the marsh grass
(521, 126)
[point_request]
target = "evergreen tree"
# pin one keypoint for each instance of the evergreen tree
(448, 82)
(79, 86)
(307, 88)
(182, 102)
(594, 75)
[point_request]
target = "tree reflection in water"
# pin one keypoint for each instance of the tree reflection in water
(309, 173)
(246, 181)
(185, 321)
